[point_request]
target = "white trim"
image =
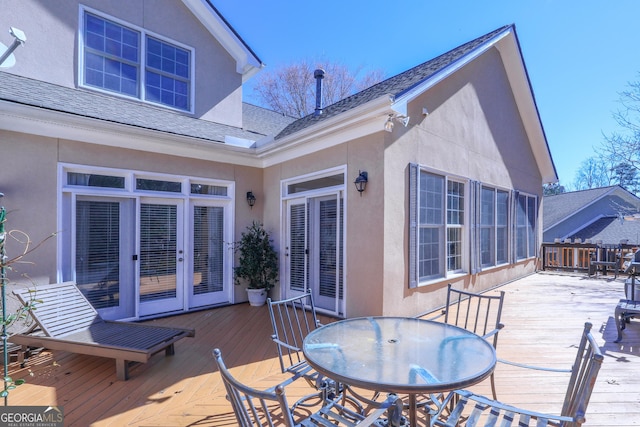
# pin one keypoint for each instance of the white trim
(65, 244)
(17, 117)
(247, 64)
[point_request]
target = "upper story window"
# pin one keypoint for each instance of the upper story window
(129, 61)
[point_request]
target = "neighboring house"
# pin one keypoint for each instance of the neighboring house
(606, 214)
(122, 128)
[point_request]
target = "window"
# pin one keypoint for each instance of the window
(494, 223)
(455, 221)
(502, 227)
(115, 56)
(438, 219)
(487, 227)
(525, 226)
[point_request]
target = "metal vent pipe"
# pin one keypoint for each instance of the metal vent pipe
(318, 75)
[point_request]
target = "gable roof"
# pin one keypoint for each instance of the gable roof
(559, 207)
(611, 230)
(394, 93)
(394, 86)
(247, 62)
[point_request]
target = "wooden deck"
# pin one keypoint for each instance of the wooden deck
(543, 314)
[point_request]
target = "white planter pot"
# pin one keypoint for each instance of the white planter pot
(257, 297)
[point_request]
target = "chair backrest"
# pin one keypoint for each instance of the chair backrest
(583, 376)
(478, 313)
(254, 407)
(292, 319)
(60, 308)
(479, 410)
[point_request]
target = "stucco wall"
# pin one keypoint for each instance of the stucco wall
(51, 51)
(28, 180)
(364, 244)
(473, 131)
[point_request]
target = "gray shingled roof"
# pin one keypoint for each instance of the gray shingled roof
(100, 106)
(611, 231)
(258, 122)
(261, 120)
(394, 86)
(561, 206)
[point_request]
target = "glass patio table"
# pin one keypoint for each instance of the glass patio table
(400, 355)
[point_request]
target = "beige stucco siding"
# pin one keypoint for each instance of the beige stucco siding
(474, 132)
(28, 180)
(52, 39)
(364, 244)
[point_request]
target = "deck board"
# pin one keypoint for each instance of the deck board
(543, 314)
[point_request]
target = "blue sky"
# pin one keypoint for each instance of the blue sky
(579, 54)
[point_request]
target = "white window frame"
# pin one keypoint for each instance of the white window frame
(529, 227)
(495, 227)
(443, 226)
(142, 60)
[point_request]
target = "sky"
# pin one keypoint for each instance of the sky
(579, 54)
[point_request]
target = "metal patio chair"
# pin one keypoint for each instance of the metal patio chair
(270, 408)
(292, 319)
(472, 410)
(478, 313)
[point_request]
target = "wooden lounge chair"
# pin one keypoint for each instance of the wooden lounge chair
(66, 320)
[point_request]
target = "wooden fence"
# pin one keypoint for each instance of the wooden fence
(584, 257)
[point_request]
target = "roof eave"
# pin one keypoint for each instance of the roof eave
(509, 48)
(360, 121)
(247, 62)
(60, 125)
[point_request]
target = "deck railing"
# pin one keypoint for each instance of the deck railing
(584, 257)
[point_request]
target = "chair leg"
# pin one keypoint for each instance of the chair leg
(493, 387)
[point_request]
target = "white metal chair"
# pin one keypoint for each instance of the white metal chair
(266, 408)
(472, 410)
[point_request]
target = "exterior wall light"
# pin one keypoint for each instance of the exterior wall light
(388, 125)
(6, 53)
(251, 199)
(361, 181)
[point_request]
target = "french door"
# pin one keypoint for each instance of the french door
(161, 256)
(143, 246)
(210, 267)
(314, 251)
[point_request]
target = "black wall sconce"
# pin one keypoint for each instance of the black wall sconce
(251, 199)
(361, 181)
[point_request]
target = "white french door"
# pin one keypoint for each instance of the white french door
(104, 248)
(315, 250)
(209, 267)
(161, 256)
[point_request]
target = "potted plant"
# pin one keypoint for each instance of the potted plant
(257, 264)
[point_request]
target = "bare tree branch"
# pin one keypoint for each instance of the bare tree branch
(290, 90)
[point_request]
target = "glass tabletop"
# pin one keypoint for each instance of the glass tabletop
(400, 355)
